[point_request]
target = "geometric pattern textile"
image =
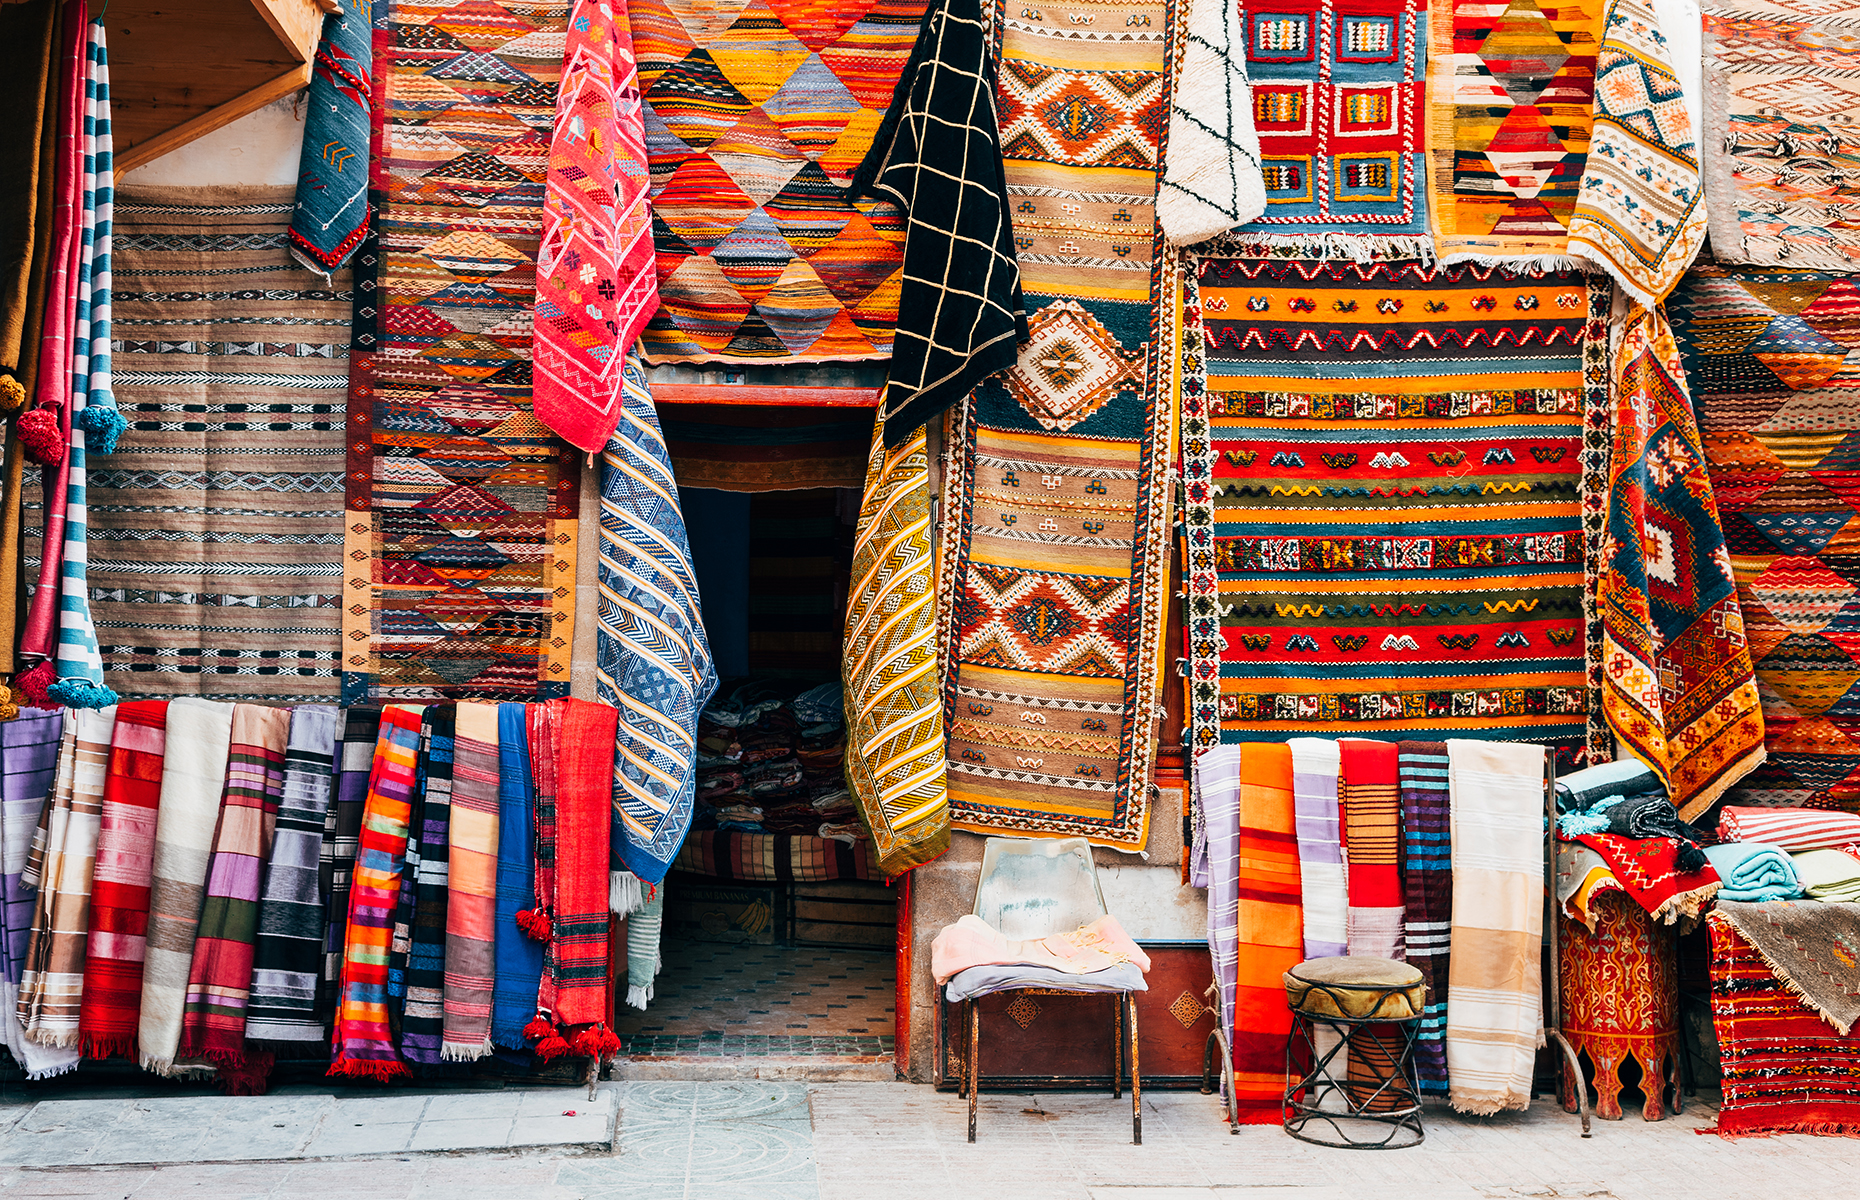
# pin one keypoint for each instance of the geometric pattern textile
(1620, 988)
(1056, 488)
(1771, 359)
(1510, 92)
(1785, 1069)
(1678, 688)
(1782, 92)
(216, 527)
(1382, 510)
(459, 542)
(329, 216)
(1212, 180)
(757, 114)
(1642, 213)
(1337, 102)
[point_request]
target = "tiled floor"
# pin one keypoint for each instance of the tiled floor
(793, 992)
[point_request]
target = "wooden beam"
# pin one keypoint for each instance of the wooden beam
(214, 118)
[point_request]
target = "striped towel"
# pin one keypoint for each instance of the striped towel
(119, 900)
(60, 865)
(29, 746)
(362, 1042)
(342, 830)
(220, 981)
(519, 957)
(1369, 798)
(1495, 981)
(471, 908)
(1789, 828)
(193, 776)
(644, 960)
(653, 661)
(421, 918)
(1427, 880)
(1316, 763)
(287, 948)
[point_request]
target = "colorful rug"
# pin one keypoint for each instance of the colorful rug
(471, 904)
(1323, 871)
(1427, 890)
(1807, 946)
(756, 118)
(1648, 870)
(60, 868)
(419, 946)
(895, 756)
(595, 283)
(342, 829)
(653, 659)
(1268, 931)
(119, 898)
(761, 447)
(1785, 1070)
(287, 946)
(1766, 359)
(1212, 181)
(1782, 83)
(937, 157)
(1620, 992)
(217, 540)
(1368, 793)
(1511, 92)
(1382, 483)
(460, 543)
(1056, 502)
(1338, 106)
(576, 986)
(776, 857)
(1678, 687)
(1495, 981)
(519, 957)
(330, 213)
(198, 739)
(219, 982)
(29, 746)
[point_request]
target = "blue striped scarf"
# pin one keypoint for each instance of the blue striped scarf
(653, 661)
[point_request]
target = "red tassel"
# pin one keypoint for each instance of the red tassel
(39, 434)
(538, 1027)
(551, 1047)
(587, 1043)
(610, 1042)
(34, 681)
(361, 1068)
(536, 924)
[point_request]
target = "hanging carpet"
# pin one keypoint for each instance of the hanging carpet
(330, 214)
(460, 542)
(1056, 504)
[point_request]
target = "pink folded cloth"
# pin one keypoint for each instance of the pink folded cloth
(1789, 828)
(973, 942)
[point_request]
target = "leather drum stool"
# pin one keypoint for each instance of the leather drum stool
(1354, 1022)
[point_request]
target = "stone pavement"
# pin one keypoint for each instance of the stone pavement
(762, 1140)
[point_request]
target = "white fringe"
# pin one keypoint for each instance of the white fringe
(625, 893)
(1541, 264)
(639, 997)
(460, 1052)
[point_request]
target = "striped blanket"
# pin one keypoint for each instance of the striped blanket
(471, 882)
(1427, 883)
(1789, 828)
(1316, 764)
(1369, 796)
(420, 919)
(519, 962)
(342, 830)
(29, 747)
(288, 943)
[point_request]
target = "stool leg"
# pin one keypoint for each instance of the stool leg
(1136, 1075)
(975, 1062)
(1117, 1048)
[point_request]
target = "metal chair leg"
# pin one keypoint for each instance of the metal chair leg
(1136, 1076)
(1575, 1067)
(1117, 1048)
(975, 1062)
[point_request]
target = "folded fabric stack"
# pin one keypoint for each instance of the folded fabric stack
(1754, 871)
(972, 958)
(1579, 791)
(1832, 876)
(772, 762)
(1620, 811)
(1789, 829)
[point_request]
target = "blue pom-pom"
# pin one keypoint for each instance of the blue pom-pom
(81, 693)
(102, 425)
(1573, 825)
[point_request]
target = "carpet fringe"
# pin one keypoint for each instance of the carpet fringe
(1541, 264)
(639, 997)
(464, 1052)
(625, 893)
(1329, 246)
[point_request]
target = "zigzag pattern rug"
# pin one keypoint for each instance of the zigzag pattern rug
(1382, 474)
(460, 543)
(1057, 471)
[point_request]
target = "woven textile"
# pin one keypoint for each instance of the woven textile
(419, 944)
(576, 987)
(330, 213)
(1620, 994)
(1782, 87)
(1337, 103)
(1581, 876)
(519, 957)
(1832, 876)
(199, 738)
(776, 857)
(1678, 684)
(471, 904)
(1495, 983)
(60, 866)
(1753, 872)
(756, 117)
(1269, 932)
(1382, 484)
(937, 156)
(759, 448)
(217, 539)
(1641, 212)
(1323, 875)
(362, 1045)
(1806, 945)
(595, 285)
(1214, 864)
(460, 542)
(1511, 94)
(342, 829)
(287, 946)
(1765, 352)
(1427, 891)
(119, 899)
(1785, 1070)
(652, 657)
(1368, 793)
(1212, 179)
(1788, 828)
(220, 981)
(895, 765)
(643, 960)
(29, 746)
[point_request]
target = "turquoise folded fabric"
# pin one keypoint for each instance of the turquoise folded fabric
(1753, 871)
